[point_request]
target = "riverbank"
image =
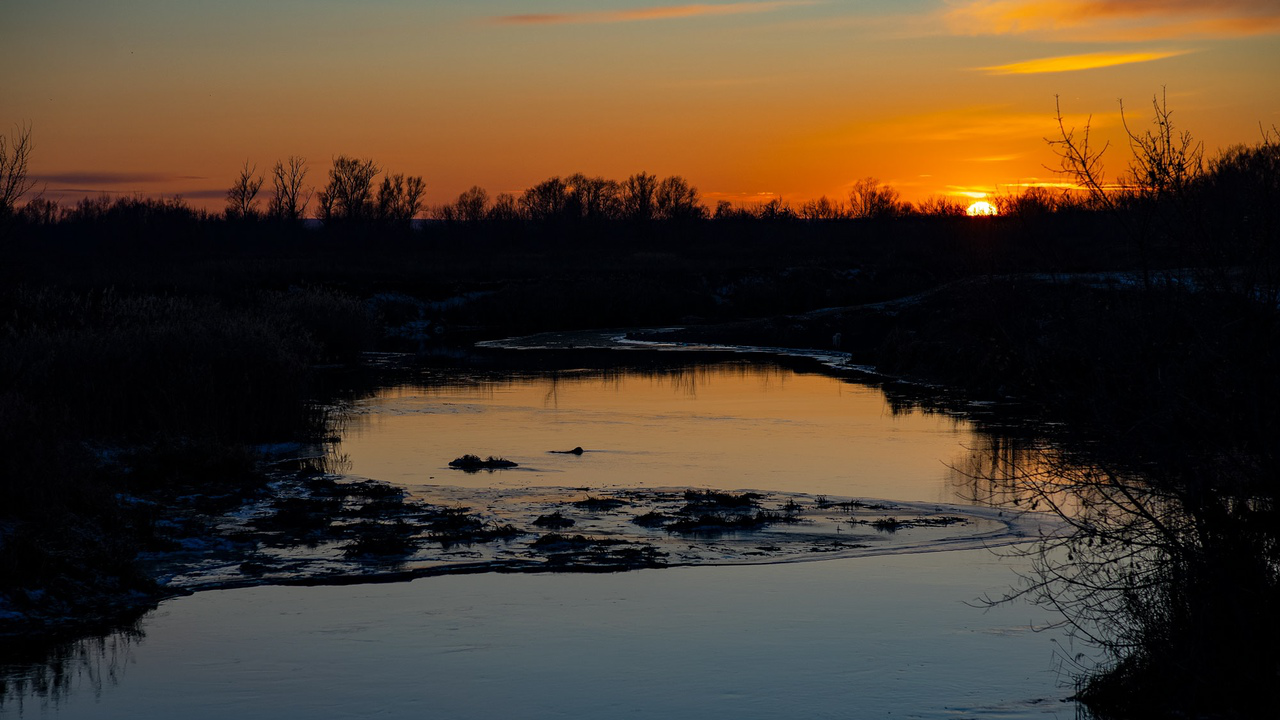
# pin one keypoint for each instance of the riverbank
(1164, 395)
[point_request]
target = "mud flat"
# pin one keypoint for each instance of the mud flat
(339, 530)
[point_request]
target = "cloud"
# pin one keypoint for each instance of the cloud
(108, 178)
(1089, 61)
(641, 14)
(1114, 20)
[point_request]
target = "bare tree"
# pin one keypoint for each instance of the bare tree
(869, 198)
(1150, 203)
(1165, 574)
(505, 208)
(348, 196)
(242, 197)
(399, 198)
(822, 209)
(775, 210)
(15, 154)
(1165, 162)
(1031, 202)
(593, 198)
(940, 206)
(41, 211)
(1081, 160)
(676, 199)
(637, 196)
(288, 202)
(546, 200)
(472, 204)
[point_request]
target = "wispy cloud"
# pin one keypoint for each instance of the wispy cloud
(111, 178)
(1114, 20)
(1089, 61)
(667, 12)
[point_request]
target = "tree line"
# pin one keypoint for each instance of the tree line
(352, 194)
(1168, 180)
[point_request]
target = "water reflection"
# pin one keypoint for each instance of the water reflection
(732, 425)
(36, 670)
(1172, 578)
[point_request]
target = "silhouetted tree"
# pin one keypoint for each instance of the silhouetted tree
(41, 211)
(470, 207)
(288, 202)
(505, 209)
(1164, 571)
(473, 204)
(637, 196)
(242, 197)
(546, 200)
(1031, 202)
(592, 198)
(1150, 204)
(775, 210)
(1165, 162)
(399, 198)
(675, 199)
(138, 221)
(15, 154)
(1081, 161)
(822, 209)
(349, 194)
(940, 206)
(869, 198)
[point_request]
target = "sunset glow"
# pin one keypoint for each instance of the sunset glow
(1070, 63)
(981, 207)
(749, 101)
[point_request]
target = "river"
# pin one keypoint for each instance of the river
(890, 629)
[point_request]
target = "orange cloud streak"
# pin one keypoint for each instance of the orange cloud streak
(1115, 19)
(640, 14)
(1089, 61)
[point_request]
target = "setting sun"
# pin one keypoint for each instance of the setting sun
(982, 207)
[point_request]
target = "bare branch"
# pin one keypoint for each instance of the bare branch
(15, 154)
(242, 196)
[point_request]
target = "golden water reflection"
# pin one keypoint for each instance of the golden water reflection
(730, 426)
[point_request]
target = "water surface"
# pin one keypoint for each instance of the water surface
(872, 637)
(883, 636)
(735, 425)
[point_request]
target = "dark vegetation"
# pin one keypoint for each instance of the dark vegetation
(894, 524)
(697, 500)
(457, 526)
(712, 523)
(596, 504)
(148, 347)
(591, 554)
(473, 463)
(554, 521)
(712, 512)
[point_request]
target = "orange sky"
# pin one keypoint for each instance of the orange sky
(748, 100)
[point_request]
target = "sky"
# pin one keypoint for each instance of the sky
(749, 101)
